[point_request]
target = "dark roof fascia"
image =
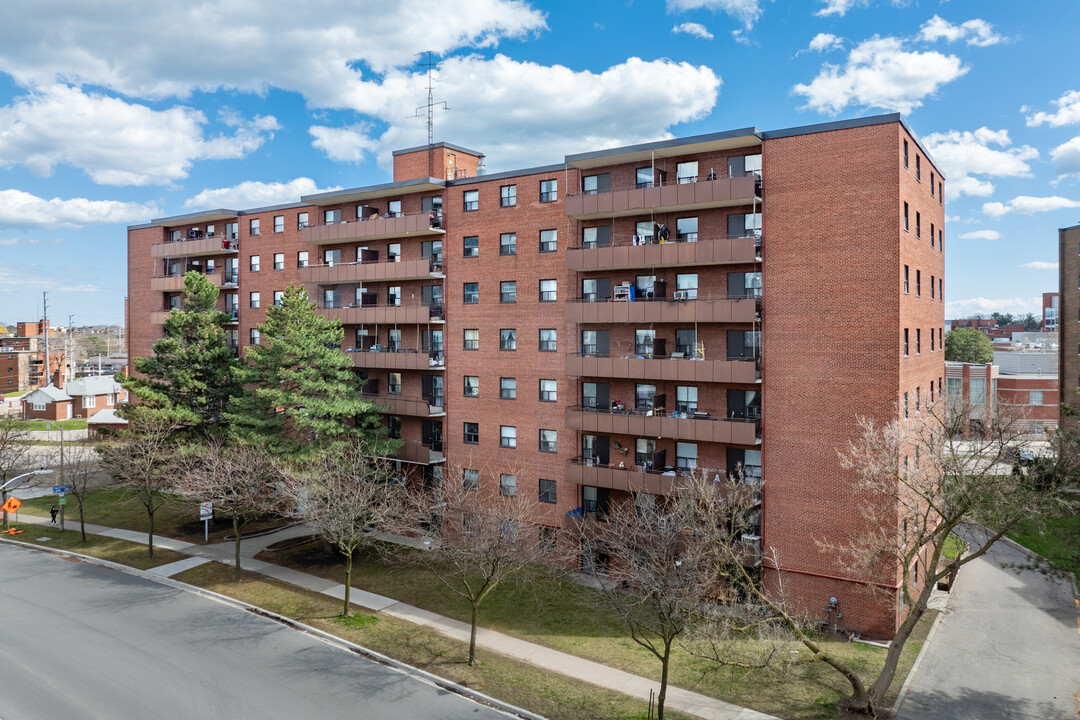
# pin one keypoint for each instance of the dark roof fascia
(400, 185)
(541, 170)
(271, 208)
(451, 146)
(663, 144)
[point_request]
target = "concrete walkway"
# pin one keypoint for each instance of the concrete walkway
(678, 700)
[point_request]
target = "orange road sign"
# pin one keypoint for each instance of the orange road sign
(11, 531)
(12, 504)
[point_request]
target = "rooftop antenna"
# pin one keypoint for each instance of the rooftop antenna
(429, 109)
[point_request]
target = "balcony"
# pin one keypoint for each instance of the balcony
(725, 192)
(217, 245)
(375, 228)
(677, 253)
(382, 359)
(158, 318)
(698, 427)
(687, 370)
(233, 316)
(413, 407)
(370, 272)
(385, 314)
(173, 283)
(701, 310)
(419, 454)
(633, 478)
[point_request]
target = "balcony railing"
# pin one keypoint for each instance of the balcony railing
(645, 251)
(413, 407)
(678, 309)
(374, 228)
(722, 192)
(171, 283)
(384, 314)
(429, 453)
(657, 367)
(216, 245)
(656, 481)
(698, 426)
(355, 272)
(401, 359)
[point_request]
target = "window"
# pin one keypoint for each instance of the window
(393, 383)
(472, 433)
(905, 217)
(472, 386)
(686, 172)
(549, 191)
(471, 246)
(253, 263)
(393, 296)
(279, 297)
(905, 279)
(302, 259)
(905, 407)
(1035, 397)
(547, 495)
(549, 240)
(508, 244)
(470, 293)
(917, 404)
(644, 178)
(393, 208)
(644, 449)
(253, 299)
(174, 236)
(508, 291)
(301, 221)
(918, 225)
(940, 192)
(905, 342)
(931, 350)
(686, 229)
(472, 339)
(941, 290)
(279, 261)
(332, 257)
(643, 342)
(393, 252)
(548, 290)
(470, 479)
(548, 391)
(918, 167)
(918, 283)
(279, 223)
(507, 485)
(471, 200)
(686, 456)
(547, 441)
(232, 230)
(508, 339)
(596, 237)
(918, 341)
(331, 217)
(686, 399)
(547, 340)
(110, 399)
(687, 284)
(592, 184)
(508, 388)
(905, 154)
(508, 196)
(978, 391)
(932, 233)
(507, 436)
(643, 396)
(254, 337)
(933, 180)
(89, 401)
(253, 226)
(933, 287)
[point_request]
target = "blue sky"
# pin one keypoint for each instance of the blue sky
(111, 114)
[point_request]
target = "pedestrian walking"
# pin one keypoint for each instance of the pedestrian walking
(52, 511)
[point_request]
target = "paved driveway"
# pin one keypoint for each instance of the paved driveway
(1007, 647)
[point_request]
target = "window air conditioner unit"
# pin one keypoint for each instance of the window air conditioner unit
(681, 295)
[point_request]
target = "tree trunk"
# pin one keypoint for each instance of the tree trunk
(665, 662)
(150, 535)
(82, 520)
(236, 541)
(346, 611)
(4, 502)
(896, 647)
(472, 636)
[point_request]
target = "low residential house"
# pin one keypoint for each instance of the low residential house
(91, 395)
(47, 403)
(105, 424)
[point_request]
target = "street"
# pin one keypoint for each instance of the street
(81, 641)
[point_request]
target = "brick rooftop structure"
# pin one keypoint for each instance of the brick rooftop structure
(595, 327)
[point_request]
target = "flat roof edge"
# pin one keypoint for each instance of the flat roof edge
(660, 144)
(833, 125)
(402, 184)
(451, 146)
(539, 169)
(193, 215)
(270, 208)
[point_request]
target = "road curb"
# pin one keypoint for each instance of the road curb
(326, 637)
(918, 660)
(1031, 553)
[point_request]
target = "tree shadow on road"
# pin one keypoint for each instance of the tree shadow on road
(967, 704)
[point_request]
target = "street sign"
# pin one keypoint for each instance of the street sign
(12, 504)
(58, 489)
(62, 501)
(206, 511)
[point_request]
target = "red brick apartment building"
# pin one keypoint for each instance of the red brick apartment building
(584, 331)
(1069, 323)
(22, 359)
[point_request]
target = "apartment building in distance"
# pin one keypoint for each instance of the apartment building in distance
(23, 359)
(587, 331)
(1069, 323)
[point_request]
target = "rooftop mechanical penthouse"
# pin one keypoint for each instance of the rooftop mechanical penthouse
(589, 330)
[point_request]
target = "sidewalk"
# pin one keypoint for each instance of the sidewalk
(679, 700)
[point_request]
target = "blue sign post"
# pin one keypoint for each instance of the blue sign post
(61, 489)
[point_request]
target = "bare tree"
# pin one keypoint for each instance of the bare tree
(14, 453)
(241, 480)
(81, 464)
(144, 462)
(344, 497)
(480, 539)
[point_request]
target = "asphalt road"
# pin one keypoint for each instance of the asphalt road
(81, 641)
(1007, 647)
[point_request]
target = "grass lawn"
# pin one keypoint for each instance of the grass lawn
(65, 424)
(552, 695)
(566, 617)
(1057, 540)
(953, 547)
(120, 551)
(117, 508)
(14, 393)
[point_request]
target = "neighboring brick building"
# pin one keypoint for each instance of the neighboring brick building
(584, 331)
(1068, 325)
(1050, 311)
(48, 403)
(91, 395)
(1033, 395)
(22, 359)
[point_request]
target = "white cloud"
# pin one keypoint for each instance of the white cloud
(347, 144)
(8, 242)
(963, 154)
(981, 235)
(1039, 265)
(1015, 306)
(1067, 156)
(78, 288)
(1027, 205)
(693, 28)
(745, 11)
(251, 194)
(823, 42)
(116, 142)
(840, 7)
(880, 73)
(1068, 112)
(974, 32)
(21, 209)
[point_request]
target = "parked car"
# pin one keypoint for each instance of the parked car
(1024, 457)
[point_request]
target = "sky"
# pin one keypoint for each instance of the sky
(113, 113)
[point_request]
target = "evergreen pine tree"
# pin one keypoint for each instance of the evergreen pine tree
(188, 380)
(301, 394)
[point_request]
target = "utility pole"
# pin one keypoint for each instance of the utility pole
(45, 322)
(70, 350)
